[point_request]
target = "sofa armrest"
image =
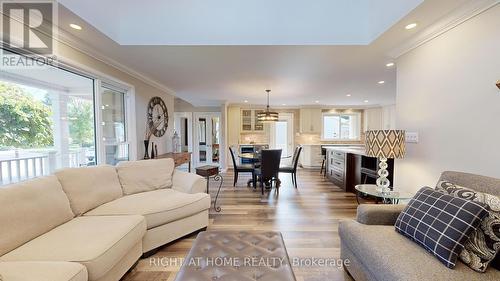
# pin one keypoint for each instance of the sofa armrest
(378, 214)
(188, 183)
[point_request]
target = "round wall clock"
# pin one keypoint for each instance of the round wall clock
(157, 116)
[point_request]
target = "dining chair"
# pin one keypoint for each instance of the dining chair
(243, 168)
(293, 168)
(269, 168)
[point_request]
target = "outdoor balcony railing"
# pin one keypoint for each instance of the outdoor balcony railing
(16, 166)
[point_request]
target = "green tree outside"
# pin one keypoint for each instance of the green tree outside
(81, 121)
(24, 121)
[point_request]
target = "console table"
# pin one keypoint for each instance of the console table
(180, 158)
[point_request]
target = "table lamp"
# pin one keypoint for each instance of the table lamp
(385, 144)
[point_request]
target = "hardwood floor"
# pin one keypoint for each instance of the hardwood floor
(307, 217)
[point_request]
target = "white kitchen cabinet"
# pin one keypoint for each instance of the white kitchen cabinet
(389, 117)
(373, 119)
(249, 122)
(310, 120)
(311, 156)
(380, 118)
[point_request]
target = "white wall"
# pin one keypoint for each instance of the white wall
(446, 92)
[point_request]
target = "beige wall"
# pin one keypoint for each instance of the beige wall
(181, 105)
(143, 92)
(446, 92)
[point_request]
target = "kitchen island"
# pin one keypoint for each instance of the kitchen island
(348, 166)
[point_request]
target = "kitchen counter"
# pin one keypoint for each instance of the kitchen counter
(359, 150)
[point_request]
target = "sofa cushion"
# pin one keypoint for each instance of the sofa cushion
(484, 243)
(89, 187)
(42, 271)
(96, 242)
(145, 175)
(440, 223)
(30, 209)
(158, 207)
(391, 256)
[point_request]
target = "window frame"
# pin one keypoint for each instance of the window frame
(113, 83)
(341, 138)
(100, 78)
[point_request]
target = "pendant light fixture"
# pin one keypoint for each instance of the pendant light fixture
(267, 116)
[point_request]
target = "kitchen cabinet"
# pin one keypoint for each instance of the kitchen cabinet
(311, 156)
(373, 119)
(310, 120)
(380, 118)
(249, 122)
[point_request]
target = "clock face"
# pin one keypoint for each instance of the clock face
(158, 116)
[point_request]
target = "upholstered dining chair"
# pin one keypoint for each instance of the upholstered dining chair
(269, 168)
(293, 168)
(243, 168)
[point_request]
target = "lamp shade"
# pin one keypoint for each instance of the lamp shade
(385, 143)
(267, 116)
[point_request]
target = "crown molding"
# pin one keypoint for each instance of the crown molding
(448, 22)
(73, 42)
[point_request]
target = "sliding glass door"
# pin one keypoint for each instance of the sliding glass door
(47, 122)
(57, 117)
(113, 124)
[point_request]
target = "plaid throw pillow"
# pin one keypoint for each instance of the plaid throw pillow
(440, 223)
(484, 243)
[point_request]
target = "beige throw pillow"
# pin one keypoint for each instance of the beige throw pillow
(145, 175)
(90, 187)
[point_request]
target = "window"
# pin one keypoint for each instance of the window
(341, 126)
(114, 129)
(48, 121)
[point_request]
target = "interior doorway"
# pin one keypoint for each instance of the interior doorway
(282, 135)
(183, 123)
(207, 138)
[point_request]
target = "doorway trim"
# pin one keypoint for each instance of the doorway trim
(196, 141)
(285, 116)
(189, 117)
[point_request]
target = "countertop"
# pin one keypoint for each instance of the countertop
(360, 150)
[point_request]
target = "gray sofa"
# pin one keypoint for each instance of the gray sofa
(377, 252)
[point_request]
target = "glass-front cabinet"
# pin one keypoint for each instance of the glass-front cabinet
(249, 122)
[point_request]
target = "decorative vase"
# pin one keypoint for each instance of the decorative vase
(176, 143)
(146, 146)
(153, 150)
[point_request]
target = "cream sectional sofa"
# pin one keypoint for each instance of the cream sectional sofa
(95, 223)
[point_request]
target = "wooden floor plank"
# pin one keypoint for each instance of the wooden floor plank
(307, 217)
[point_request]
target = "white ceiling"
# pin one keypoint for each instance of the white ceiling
(298, 75)
(242, 22)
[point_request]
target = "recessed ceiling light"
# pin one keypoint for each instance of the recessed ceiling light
(381, 82)
(317, 101)
(245, 101)
(348, 95)
(75, 26)
(366, 101)
(391, 64)
(411, 26)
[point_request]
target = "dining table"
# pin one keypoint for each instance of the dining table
(255, 158)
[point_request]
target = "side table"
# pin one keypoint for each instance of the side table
(209, 171)
(390, 197)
